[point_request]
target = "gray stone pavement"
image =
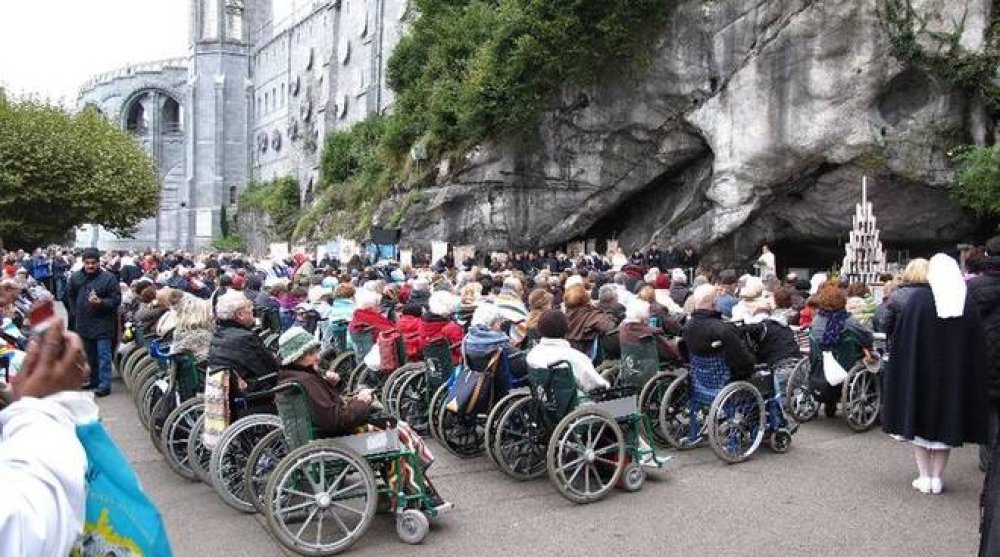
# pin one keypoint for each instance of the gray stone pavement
(835, 493)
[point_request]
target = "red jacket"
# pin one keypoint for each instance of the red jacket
(409, 327)
(370, 318)
(433, 326)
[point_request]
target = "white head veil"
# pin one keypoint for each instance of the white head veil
(947, 285)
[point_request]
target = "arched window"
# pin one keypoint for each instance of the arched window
(210, 19)
(171, 117)
(234, 20)
(136, 119)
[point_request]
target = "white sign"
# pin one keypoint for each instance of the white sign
(279, 251)
(438, 250)
(406, 258)
(348, 249)
(203, 223)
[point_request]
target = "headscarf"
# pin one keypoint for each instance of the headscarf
(947, 285)
(835, 323)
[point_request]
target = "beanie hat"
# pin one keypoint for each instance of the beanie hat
(91, 253)
(662, 282)
(295, 343)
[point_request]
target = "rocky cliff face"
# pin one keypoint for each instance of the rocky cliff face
(753, 123)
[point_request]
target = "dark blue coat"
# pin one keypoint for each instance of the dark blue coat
(94, 322)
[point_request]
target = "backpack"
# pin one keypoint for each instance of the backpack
(40, 269)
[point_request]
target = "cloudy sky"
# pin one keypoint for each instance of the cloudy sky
(51, 47)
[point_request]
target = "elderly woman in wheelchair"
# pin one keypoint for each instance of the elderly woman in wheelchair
(725, 396)
(336, 458)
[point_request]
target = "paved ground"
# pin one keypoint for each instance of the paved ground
(835, 493)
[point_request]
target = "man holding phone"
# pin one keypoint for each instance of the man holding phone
(93, 298)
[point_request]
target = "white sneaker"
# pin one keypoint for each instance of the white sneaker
(922, 484)
(936, 486)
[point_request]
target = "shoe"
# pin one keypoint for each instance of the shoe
(936, 486)
(100, 393)
(653, 461)
(922, 484)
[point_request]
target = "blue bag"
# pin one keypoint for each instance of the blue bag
(120, 518)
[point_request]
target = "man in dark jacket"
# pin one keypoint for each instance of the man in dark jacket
(984, 290)
(236, 347)
(707, 334)
(93, 298)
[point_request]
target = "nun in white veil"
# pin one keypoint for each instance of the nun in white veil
(935, 392)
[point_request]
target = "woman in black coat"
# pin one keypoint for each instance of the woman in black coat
(935, 390)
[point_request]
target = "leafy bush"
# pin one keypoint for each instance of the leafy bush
(279, 198)
(470, 70)
(978, 179)
(228, 242)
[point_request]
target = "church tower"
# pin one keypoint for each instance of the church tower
(220, 92)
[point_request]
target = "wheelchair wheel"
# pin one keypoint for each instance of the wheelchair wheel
(493, 421)
(343, 364)
(411, 401)
(151, 391)
(780, 441)
(229, 459)
(675, 415)
(140, 379)
(633, 477)
(736, 422)
(395, 380)
(862, 397)
(462, 434)
(141, 367)
(800, 400)
(176, 433)
(586, 455)
(650, 399)
(412, 526)
(263, 459)
(437, 402)
(158, 416)
(129, 363)
(364, 377)
(199, 456)
(320, 482)
(519, 445)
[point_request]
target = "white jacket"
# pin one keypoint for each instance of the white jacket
(551, 350)
(42, 488)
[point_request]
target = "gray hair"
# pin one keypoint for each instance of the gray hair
(229, 304)
(607, 294)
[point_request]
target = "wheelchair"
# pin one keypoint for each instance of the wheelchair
(734, 417)
(860, 393)
(408, 391)
(604, 351)
(222, 465)
(641, 368)
(299, 479)
(588, 445)
(468, 434)
(152, 381)
(185, 382)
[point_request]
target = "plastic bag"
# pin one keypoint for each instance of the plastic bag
(120, 518)
(832, 370)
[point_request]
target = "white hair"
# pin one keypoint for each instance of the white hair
(441, 303)
(637, 311)
(229, 304)
(703, 295)
(486, 314)
(573, 280)
(367, 299)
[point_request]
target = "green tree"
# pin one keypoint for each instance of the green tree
(59, 171)
(977, 184)
(279, 198)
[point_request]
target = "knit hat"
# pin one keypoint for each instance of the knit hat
(91, 253)
(295, 343)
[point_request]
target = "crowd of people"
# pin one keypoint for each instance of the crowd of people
(942, 323)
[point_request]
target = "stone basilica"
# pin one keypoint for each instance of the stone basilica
(252, 100)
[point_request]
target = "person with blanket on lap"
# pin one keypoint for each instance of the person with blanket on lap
(333, 414)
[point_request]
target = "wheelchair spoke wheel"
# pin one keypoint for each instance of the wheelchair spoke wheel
(229, 459)
(199, 456)
(437, 403)
(862, 398)
(736, 422)
(650, 399)
(675, 414)
(343, 365)
(520, 443)
(462, 434)
(493, 421)
(263, 459)
(801, 402)
(176, 433)
(320, 499)
(586, 455)
(411, 401)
